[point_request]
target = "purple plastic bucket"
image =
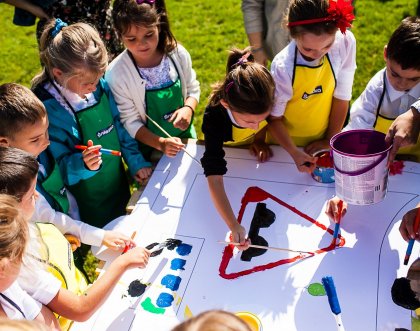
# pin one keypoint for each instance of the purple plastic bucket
(360, 171)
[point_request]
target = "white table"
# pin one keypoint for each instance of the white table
(176, 204)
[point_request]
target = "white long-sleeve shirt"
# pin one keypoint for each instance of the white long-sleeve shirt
(343, 60)
(88, 234)
(363, 110)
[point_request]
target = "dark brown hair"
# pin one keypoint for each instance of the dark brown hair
(128, 12)
(300, 10)
(18, 169)
(404, 45)
(248, 86)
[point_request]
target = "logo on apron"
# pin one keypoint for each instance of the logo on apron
(167, 116)
(317, 90)
(104, 132)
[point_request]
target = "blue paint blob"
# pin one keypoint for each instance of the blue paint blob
(184, 249)
(172, 282)
(178, 264)
(164, 300)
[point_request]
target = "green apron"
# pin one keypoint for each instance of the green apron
(102, 197)
(54, 186)
(161, 103)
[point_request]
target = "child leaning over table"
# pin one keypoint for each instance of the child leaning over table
(153, 79)
(81, 111)
(25, 126)
(64, 293)
(314, 77)
(394, 88)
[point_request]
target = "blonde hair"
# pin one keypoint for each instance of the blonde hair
(72, 49)
(13, 229)
(213, 320)
(22, 325)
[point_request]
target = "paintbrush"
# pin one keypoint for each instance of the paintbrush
(333, 300)
(264, 247)
(169, 136)
(337, 225)
(411, 242)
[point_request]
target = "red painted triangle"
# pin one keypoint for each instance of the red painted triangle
(256, 194)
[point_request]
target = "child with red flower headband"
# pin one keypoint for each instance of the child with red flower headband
(314, 77)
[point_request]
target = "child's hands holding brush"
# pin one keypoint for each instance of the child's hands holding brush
(92, 156)
(332, 209)
(137, 257)
(116, 240)
(407, 225)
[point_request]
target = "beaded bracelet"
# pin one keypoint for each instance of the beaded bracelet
(256, 50)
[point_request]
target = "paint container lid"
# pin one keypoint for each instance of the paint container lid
(324, 170)
(250, 319)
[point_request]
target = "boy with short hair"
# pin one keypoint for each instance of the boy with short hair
(393, 89)
(25, 126)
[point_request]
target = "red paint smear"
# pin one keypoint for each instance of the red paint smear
(255, 194)
(396, 168)
(324, 160)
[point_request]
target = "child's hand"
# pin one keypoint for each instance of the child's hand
(332, 209)
(238, 234)
(170, 146)
(137, 257)
(303, 161)
(261, 150)
(181, 118)
(407, 225)
(317, 146)
(73, 241)
(92, 156)
(116, 240)
(142, 175)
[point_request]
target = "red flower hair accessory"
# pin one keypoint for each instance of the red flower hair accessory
(339, 11)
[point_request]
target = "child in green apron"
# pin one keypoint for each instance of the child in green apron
(236, 115)
(394, 88)
(63, 292)
(81, 111)
(152, 80)
(314, 77)
(25, 126)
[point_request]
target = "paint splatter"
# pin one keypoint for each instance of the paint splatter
(151, 308)
(150, 246)
(184, 249)
(136, 288)
(178, 264)
(156, 253)
(171, 281)
(316, 289)
(164, 300)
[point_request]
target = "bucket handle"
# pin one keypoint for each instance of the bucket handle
(363, 170)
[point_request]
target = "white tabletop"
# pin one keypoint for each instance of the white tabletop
(176, 204)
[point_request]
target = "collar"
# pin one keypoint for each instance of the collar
(231, 118)
(394, 94)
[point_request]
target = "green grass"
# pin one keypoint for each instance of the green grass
(208, 29)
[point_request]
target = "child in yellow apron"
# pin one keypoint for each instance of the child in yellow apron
(314, 77)
(236, 115)
(393, 89)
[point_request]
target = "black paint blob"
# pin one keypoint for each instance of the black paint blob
(136, 288)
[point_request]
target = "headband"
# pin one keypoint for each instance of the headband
(339, 11)
(59, 24)
(150, 2)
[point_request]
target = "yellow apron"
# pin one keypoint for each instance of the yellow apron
(383, 123)
(307, 113)
(244, 136)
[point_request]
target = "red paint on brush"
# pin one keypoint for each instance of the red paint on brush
(324, 160)
(396, 168)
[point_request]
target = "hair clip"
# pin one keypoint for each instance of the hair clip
(228, 86)
(150, 2)
(59, 24)
(340, 12)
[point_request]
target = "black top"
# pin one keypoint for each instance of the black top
(217, 129)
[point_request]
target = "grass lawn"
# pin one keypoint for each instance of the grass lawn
(208, 29)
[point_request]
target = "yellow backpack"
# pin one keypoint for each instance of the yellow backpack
(58, 255)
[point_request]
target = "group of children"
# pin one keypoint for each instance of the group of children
(56, 139)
